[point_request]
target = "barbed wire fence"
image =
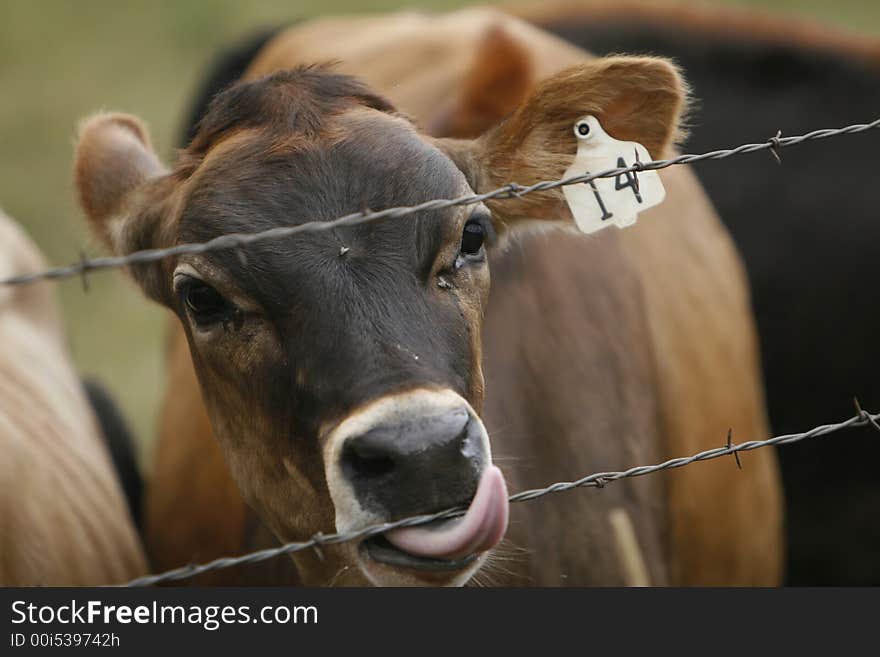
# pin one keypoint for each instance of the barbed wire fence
(596, 480)
(509, 191)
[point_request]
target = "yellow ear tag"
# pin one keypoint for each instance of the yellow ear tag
(609, 201)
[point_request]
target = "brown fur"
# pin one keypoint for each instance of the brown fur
(671, 362)
(184, 435)
(63, 518)
(708, 383)
(499, 79)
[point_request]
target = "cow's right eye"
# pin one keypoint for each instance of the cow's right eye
(204, 304)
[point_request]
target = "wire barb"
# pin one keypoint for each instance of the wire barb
(637, 166)
(84, 270)
(865, 415)
(318, 539)
(774, 146)
(511, 190)
(730, 445)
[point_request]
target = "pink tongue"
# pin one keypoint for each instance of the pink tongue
(481, 527)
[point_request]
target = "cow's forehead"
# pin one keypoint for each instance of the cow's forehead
(366, 159)
(300, 99)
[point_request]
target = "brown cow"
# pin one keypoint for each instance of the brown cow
(63, 517)
(341, 370)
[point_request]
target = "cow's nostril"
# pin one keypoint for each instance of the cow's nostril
(365, 462)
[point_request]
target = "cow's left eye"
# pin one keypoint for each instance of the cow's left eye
(472, 237)
(478, 231)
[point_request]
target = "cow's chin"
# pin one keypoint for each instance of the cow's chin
(385, 565)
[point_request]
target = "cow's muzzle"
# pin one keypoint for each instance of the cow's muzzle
(410, 454)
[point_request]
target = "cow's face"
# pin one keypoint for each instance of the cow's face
(341, 368)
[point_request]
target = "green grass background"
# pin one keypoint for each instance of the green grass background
(61, 60)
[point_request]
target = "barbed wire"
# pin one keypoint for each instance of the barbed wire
(511, 190)
(596, 480)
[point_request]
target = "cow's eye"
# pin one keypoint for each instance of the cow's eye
(476, 234)
(205, 305)
(472, 237)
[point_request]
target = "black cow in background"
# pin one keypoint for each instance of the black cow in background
(809, 233)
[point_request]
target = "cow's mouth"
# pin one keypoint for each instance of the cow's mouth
(382, 550)
(448, 545)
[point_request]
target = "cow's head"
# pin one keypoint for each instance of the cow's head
(341, 368)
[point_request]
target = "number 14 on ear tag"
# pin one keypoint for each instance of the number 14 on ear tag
(605, 201)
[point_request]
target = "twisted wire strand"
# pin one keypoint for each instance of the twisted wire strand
(511, 190)
(596, 480)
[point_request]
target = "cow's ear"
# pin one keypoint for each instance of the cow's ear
(497, 81)
(114, 159)
(125, 192)
(638, 99)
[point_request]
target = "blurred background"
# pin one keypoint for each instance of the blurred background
(61, 60)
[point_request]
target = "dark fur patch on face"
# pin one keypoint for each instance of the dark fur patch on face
(350, 327)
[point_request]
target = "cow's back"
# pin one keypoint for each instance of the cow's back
(63, 518)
